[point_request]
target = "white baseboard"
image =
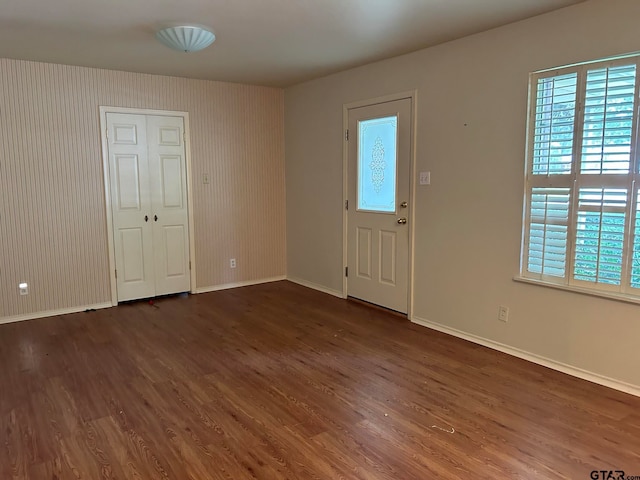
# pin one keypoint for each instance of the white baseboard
(315, 286)
(53, 313)
(227, 286)
(64, 311)
(532, 357)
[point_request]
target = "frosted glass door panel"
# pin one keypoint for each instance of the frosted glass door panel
(377, 153)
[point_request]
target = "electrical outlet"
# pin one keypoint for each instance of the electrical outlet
(503, 313)
(24, 288)
(232, 263)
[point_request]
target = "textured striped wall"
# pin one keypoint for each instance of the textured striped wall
(53, 231)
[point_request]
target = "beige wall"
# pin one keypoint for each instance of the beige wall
(52, 208)
(472, 100)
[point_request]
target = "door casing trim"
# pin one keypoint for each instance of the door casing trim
(413, 96)
(107, 188)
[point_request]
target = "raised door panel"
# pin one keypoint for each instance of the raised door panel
(363, 253)
(173, 237)
(132, 242)
(127, 178)
(387, 257)
(171, 182)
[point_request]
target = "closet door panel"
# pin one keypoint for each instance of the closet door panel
(167, 166)
(130, 205)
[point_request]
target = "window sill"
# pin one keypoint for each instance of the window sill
(620, 297)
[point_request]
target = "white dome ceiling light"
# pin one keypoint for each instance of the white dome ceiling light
(187, 38)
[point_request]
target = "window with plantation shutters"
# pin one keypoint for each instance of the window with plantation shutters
(582, 220)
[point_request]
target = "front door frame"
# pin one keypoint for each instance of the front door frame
(107, 188)
(413, 96)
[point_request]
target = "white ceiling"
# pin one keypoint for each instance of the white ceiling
(264, 42)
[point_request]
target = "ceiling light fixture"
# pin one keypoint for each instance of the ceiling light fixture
(187, 38)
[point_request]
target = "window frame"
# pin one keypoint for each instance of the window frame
(575, 180)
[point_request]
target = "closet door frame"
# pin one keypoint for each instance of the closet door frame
(104, 110)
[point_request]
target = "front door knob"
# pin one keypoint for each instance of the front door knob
(402, 221)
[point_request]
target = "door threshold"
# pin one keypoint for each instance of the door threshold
(374, 306)
(153, 300)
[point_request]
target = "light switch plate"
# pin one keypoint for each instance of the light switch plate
(425, 178)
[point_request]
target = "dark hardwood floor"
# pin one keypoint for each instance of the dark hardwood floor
(278, 381)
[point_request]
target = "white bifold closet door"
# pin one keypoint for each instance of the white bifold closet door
(148, 187)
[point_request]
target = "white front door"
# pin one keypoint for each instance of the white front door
(379, 162)
(147, 178)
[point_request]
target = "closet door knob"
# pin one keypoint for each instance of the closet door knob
(155, 218)
(146, 218)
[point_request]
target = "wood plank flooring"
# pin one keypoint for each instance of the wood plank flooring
(277, 381)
